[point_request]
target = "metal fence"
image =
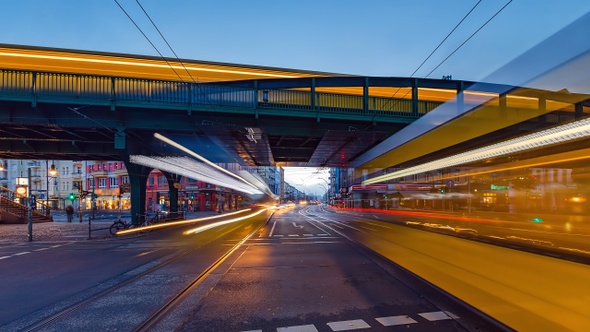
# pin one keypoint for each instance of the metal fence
(53, 87)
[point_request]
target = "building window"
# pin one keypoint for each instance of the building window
(114, 182)
(102, 183)
(162, 181)
(124, 179)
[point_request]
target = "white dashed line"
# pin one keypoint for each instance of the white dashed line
(438, 315)
(253, 331)
(348, 325)
(307, 234)
(299, 328)
(5, 257)
(293, 235)
(278, 235)
(22, 253)
(396, 320)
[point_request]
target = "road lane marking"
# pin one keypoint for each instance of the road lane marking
(307, 234)
(396, 320)
(41, 249)
(367, 228)
(293, 234)
(347, 325)
(272, 229)
(375, 224)
(296, 226)
(438, 315)
(5, 257)
(298, 328)
(22, 253)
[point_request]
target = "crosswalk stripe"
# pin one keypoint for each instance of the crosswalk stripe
(396, 320)
(347, 325)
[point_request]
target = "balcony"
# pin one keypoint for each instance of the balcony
(98, 174)
(77, 176)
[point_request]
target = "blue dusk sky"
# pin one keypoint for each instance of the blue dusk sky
(373, 38)
(369, 37)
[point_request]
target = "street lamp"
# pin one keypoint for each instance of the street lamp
(49, 174)
(328, 189)
(325, 188)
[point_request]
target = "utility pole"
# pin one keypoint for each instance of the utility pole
(29, 206)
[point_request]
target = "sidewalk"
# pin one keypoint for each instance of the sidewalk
(61, 230)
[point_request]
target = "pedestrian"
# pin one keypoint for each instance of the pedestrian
(70, 213)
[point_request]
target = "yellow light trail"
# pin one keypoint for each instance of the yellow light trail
(221, 223)
(175, 223)
(142, 64)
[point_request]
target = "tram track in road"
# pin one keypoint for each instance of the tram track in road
(437, 296)
(150, 308)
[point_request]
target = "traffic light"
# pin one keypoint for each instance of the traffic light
(192, 197)
(385, 196)
(72, 197)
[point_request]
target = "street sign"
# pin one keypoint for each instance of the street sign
(450, 184)
(125, 188)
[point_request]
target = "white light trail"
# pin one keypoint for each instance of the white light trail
(559, 134)
(190, 168)
(175, 223)
(203, 159)
(221, 223)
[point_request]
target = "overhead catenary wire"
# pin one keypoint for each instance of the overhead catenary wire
(436, 48)
(166, 41)
(447, 37)
(147, 38)
(158, 51)
(466, 40)
(457, 48)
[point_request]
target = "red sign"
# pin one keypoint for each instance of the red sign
(360, 187)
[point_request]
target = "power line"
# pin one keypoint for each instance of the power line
(456, 49)
(166, 41)
(193, 80)
(466, 40)
(148, 39)
(447, 37)
(435, 49)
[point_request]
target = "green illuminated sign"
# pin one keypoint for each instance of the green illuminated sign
(494, 187)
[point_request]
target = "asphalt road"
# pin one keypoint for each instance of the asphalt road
(296, 273)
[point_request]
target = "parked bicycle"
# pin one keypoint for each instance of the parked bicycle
(141, 220)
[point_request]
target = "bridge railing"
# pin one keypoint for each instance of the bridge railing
(25, 85)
